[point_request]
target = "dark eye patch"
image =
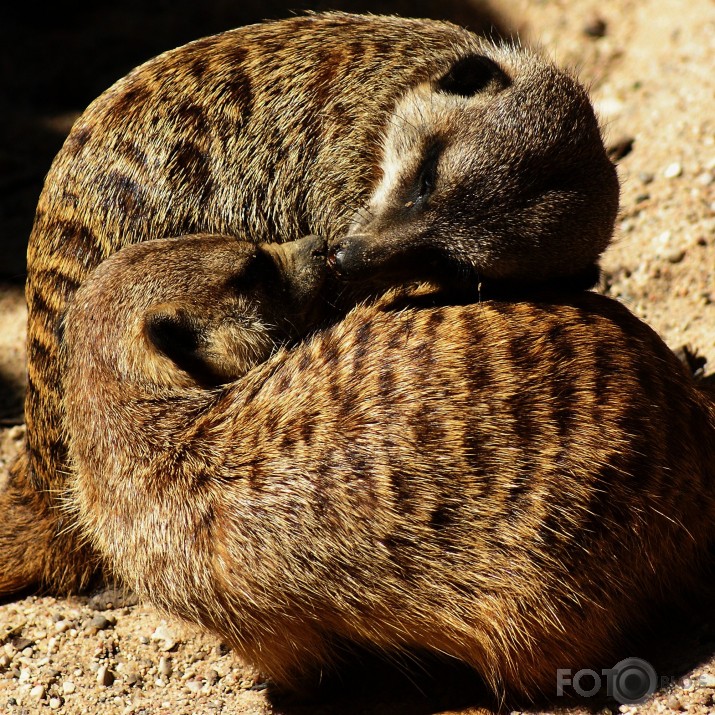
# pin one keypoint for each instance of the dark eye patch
(260, 271)
(427, 176)
(470, 75)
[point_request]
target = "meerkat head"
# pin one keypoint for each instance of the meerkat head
(197, 309)
(494, 170)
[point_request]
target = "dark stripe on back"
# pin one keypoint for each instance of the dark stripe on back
(563, 382)
(362, 486)
(605, 368)
(38, 352)
(124, 193)
(133, 98)
(237, 87)
(78, 246)
(77, 139)
(430, 434)
(402, 492)
(402, 554)
(387, 383)
(198, 66)
(322, 86)
(362, 346)
(189, 167)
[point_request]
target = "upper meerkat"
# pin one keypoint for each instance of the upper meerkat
(404, 492)
(281, 129)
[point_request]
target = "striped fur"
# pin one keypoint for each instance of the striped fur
(271, 131)
(511, 484)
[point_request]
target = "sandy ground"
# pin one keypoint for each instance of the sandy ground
(650, 65)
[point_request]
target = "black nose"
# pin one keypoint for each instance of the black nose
(336, 256)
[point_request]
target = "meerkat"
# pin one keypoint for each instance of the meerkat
(406, 491)
(287, 128)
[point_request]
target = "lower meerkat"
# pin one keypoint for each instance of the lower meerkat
(404, 492)
(288, 128)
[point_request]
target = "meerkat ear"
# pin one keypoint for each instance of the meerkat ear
(177, 334)
(470, 75)
(211, 352)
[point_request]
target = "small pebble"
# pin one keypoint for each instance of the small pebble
(646, 177)
(100, 622)
(132, 678)
(25, 675)
(38, 692)
(675, 256)
(673, 171)
(212, 677)
(621, 147)
(674, 703)
(55, 703)
(595, 27)
(62, 626)
(194, 685)
(707, 681)
(164, 638)
(105, 676)
(16, 433)
(22, 643)
(165, 668)
(28, 652)
(68, 687)
(112, 598)
(5, 661)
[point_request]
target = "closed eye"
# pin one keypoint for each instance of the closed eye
(427, 175)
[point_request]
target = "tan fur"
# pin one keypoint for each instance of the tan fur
(276, 131)
(511, 484)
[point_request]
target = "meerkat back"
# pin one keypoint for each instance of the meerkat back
(406, 491)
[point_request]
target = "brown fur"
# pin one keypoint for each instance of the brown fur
(276, 131)
(511, 484)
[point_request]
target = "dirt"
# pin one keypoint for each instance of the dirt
(650, 69)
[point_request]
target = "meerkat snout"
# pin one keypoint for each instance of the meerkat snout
(303, 268)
